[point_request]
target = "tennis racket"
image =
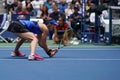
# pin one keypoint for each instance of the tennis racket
(60, 46)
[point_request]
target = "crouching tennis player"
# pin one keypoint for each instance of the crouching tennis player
(35, 33)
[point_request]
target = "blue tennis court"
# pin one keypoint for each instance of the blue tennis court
(70, 63)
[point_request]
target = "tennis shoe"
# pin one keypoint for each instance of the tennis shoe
(18, 53)
(35, 57)
(52, 52)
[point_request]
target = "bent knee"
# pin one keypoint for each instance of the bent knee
(33, 39)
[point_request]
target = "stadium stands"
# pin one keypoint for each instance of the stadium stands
(3, 25)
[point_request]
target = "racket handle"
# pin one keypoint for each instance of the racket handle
(61, 47)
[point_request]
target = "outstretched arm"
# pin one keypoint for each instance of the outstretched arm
(42, 41)
(42, 37)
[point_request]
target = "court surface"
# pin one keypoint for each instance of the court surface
(70, 63)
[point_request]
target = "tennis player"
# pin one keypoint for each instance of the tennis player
(35, 33)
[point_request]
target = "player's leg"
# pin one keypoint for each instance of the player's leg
(31, 38)
(19, 43)
(16, 51)
(33, 43)
(65, 38)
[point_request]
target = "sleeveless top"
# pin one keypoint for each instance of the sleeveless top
(31, 26)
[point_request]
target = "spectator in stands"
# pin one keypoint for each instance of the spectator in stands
(63, 5)
(69, 10)
(44, 14)
(81, 9)
(74, 1)
(34, 32)
(24, 11)
(89, 11)
(60, 32)
(55, 16)
(9, 3)
(30, 9)
(37, 5)
(88, 4)
(56, 13)
(19, 7)
(77, 4)
(12, 11)
(25, 2)
(52, 6)
(15, 4)
(75, 22)
(48, 4)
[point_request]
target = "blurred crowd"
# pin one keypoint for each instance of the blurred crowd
(71, 10)
(36, 7)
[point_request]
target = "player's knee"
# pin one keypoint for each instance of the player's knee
(33, 39)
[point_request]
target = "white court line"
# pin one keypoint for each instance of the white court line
(78, 59)
(62, 49)
(68, 59)
(69, 46)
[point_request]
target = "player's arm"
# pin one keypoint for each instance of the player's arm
(43, 37)
(42, 41)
